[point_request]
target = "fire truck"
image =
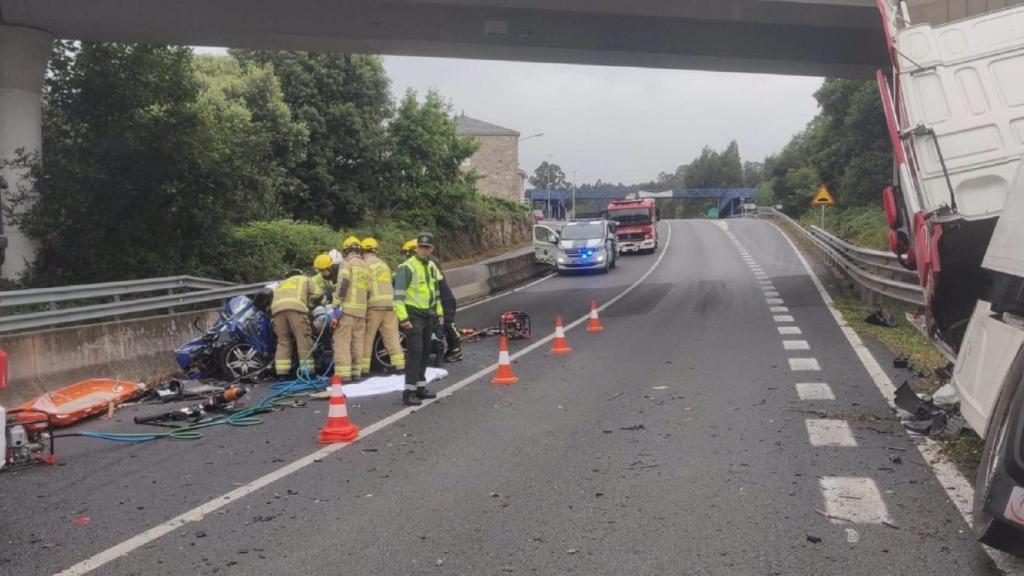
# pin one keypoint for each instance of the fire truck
(637, 224)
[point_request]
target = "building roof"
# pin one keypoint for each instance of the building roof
(466, 126)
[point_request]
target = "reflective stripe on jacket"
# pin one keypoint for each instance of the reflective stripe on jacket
(355, 271)
(382, 293)
(294, 293)
(416, 289)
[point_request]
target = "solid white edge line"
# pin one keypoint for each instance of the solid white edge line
(135, 542)
(958, 488)
(507, 292)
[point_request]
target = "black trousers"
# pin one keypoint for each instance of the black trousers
(417, 343)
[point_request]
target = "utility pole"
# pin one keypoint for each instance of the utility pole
(573, 195)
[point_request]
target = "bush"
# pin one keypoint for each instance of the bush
(863, 225)
(260, 251)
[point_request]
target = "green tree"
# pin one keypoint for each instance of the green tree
(427, 187)
(345, 103)
(144, 171)
(716, 170)
(548, 176)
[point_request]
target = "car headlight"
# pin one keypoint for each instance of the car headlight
(600, 256)
(562, 259)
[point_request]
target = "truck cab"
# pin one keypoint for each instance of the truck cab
(954, 106)
(637, 222)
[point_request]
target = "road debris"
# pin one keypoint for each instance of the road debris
(634, 428)
(852, 536)
(813, 539)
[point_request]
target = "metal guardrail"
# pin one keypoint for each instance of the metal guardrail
(208, 291)
(112, 290)
(878, 272)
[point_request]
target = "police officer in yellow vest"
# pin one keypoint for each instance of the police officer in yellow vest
(325, 273)
(418, 307)
(289, 311)
(381, 312)
(351, 295)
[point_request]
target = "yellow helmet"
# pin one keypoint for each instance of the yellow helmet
(322, 262)
(369, 243)
(409, 246)
(350, 243)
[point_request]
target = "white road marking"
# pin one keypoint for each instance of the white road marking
(959, 489)
(856, 500)
(804, 365)
(774, 301)
(814, 391)
(513, 291)
(795, 345)
(789, 330)
(830, 432)
(771, 294)
(778, 309)
(761, 276)
(139, 540)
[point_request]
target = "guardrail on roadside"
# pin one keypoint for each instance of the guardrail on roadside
(875, 271)
(203, 290)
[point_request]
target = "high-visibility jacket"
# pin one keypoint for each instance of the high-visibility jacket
(295, 293)
(357, 274)
(416, 289)
(382, 293)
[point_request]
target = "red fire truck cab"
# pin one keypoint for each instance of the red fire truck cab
(637, 222)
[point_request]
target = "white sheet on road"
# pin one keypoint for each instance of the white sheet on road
(385, 384)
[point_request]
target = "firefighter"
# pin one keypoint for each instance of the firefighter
(325, 274)
(418, 307)
(351, 295)
(289, 311)
(380, 314)
(409, 248)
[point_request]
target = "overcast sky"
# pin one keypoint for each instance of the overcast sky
(617, 124)
(611, 123)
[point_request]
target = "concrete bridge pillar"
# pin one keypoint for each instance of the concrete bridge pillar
(24, 53)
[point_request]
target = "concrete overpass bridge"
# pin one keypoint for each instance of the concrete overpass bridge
(803, 37)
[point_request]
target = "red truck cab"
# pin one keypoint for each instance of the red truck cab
(637, 222)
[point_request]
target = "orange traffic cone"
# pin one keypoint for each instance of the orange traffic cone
(338, 428)
(561, 346)
(595, 323)
(504, 374)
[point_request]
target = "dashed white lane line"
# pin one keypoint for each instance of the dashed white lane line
(789, 330)
(771, 294)
(778, 309)
(804, 365)
(782, 318)
(143, 538)
(795, 345)
(830, 432)
(814, 391)
(852, 499)
(774, 301)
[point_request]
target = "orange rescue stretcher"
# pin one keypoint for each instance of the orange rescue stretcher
(78, 401)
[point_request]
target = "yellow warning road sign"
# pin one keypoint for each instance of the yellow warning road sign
(823, 197)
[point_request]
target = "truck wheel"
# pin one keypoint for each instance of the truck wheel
(993, 484)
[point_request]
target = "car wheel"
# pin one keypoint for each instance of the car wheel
(993, 484)
(241, 361)
(381, 356)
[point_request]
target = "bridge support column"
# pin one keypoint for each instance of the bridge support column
(24, 54)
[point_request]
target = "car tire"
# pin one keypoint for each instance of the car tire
(381, 359)
(241, 361)
(992, 479)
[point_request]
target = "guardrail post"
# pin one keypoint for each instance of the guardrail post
(170, 309)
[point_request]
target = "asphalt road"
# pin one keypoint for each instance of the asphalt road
(675, 442)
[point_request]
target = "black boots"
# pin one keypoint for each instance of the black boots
(425, 394)
(410, 398)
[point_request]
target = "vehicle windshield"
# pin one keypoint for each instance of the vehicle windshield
(588, 231)
(631, 217)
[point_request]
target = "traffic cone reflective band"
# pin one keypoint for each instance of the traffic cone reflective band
(504, 374)
(561, 346)
(338, 428)
(595, 323)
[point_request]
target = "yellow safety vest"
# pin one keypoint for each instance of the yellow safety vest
(358, 275)
(416, 288)
(382, 293)
(294, 294)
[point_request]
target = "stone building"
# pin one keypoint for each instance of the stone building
(496, 161)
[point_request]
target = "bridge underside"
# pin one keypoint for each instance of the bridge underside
(825, 37)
